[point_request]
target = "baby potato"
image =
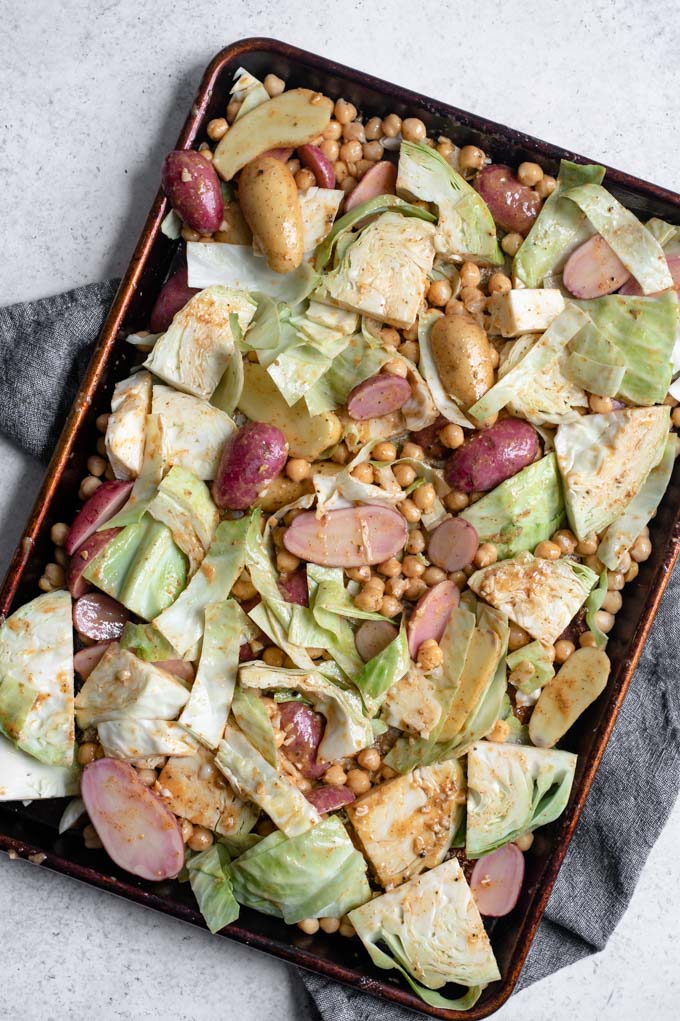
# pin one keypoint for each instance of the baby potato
(462, 354)
(269, 201)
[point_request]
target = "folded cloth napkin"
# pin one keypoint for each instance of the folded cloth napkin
(44, 348)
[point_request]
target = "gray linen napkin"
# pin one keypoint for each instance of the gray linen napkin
(44, 348)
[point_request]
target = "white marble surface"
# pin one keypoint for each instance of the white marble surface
(93, 94)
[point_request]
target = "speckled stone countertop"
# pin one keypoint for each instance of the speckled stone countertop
(93, 96)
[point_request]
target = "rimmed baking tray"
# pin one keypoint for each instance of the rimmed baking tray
(31, 831)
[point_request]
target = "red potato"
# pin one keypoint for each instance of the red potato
(453, 544)
(245, 653)
(593, 270)
(492, 455)
(632, 286)
(381, 179)
(431, 615)
(329, 798)
(497, 880)
(279, 154)
(251, 458)
(181, 668)
(379, 395)
(138, 832)
(193, 189)
(303, 729)
(84, 556)
(322, 168)
(85, 660)
(173, 296)
(373, 636)
(350, 537)
(294, 588)
(99, 617)
(513, 206)
(106, 501)
(428, 438)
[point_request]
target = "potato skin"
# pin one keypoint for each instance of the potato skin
(492, 455)
(193, 188)
(269, 201)
(462, 354)
(173, 296)
(250, 460)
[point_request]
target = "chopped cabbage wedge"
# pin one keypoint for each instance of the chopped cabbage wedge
(538, 657)
(23, 777)
(194, 789)
(340, 234)
(358, 361)
(147, 643)
(522, 511)
(412, 704)
(315, 874)
(146, 483)
(513, 789)
(130, 404)
(139, 739)
(238, 268)
(431, 931)
(254, 721)
(604, 460)
(465, 227)
(210, 879)
(595, 363)
(408, 824)
(549, 398)
(376, 677)
(36, 681)
(205, 714)
(194, 431)
(184, 504)
(254, 779)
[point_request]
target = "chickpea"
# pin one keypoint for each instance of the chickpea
(439, 293)
(273, 84)
(455, 307)
(341, 172)
(415, 542)
(548, 550)
(335, 776)
(363, 473)
(459, 578)
(373, 128)
(217, 128)
(205, 151)
(632, 572)
(358, 781)
(517, 637)
(390, 568)
(566, 540)
(189, 234)
(347, 929)
(373, 151)
(456, 501)
(87, 752)
(331, 149)
(56, 575)
(384, 451)
(410, 349)
(305, 179)
(340, 455)
(415, 588)
(524, 841)
(333, 131)
(600, 405)
(545, 186)
(412, 567)
(471, 158)
(511, 244)
(293, 165)
(273, 656)
(641, 550)
(413, 129)
(396, 587)
(91, 837)
(96, 466)
(376, 583)
(369, 759)
(523, 672)
(390, 337)
(329, 925)
(615, 581)
(414, 451)
(59, 532)
(563, 650)
(359, 574)
(344, 111)
(45, 585)
(594, 563)
(233, 109)
(390, 606)
(452, 436)
(60, 557)
(499, 283)
(287, 562)
(410, 511)
(612, 602)
(201, 839)
(88, 487)
(349, 184)
(298, 469)
(429, 656)
(445, 148)
(587, 546)
(391, 125)
(147, 776)
(100, 446)
(604, 620)
(587, 640)
(354, 132)
(473, 299)
(309, 926)
(187, 829)
(102, 422)
(529, 174)
(470, 274)
(368, 600)
(424, 497)
(486, 555)
(396, 367)
(624, 563)
(243, 588)
(433, 575)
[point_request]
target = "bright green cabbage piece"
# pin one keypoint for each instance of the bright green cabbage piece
(182, 623)
(430, 930)
(643, 330)
(210, 878)
(465, 228)
(383, 270)
(184, 504)
(138, 739)
(635, 246)
(206, 713)
(595, 363)
(194, 431)
(530, 370)
(513, 789)
(537, 655)
(377, 676)
(542, 596)
(340, 231)
(195, 350)
(36, 679)
(238, 268)
(320, 626)
(560, 227)
(23, 778)
(357, 362)
(141, 567)
(230, 387)
(315, 874)
(521, 512)
(254, 779)
(623, 532)
(121, 686)
(147, 643)
(347, 729)
(604, 461)
(254, 721)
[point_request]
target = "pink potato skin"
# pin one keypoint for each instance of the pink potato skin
(85, 660)
(322, 168)
(294, 588)
(106, 501)
(329, 798)
(492, 455)
(453, 544)
(173, 296)
(193, 189)
(304, 730)
(99, 617)
(381, 179)
(593, 270)
(138, 832)
(431, 613)
(513, 206)
(496, 881)
(378, 395)
(251, 458)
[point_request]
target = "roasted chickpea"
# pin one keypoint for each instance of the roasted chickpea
(384, 451)
(201, 839)
(413, 450)
(415, 588)
(396, 367)
(566, 540)
(439, 293)
(545, 186)
(424, 497)
(456, 501)
(499, 283)
(390, 568)
(363, 473)
(415, 542)
(470, 274)
(333, 131)
(358, 781)
(563, 650)
(273, 84)
(452, 436)
(298, 469)
(430, 655)
(511, 244)
(390, 606)
(373, 151)
(529, 174)
(413, 129)
(344, 111)
(600, 405)
(369, 759)
(471, 158)
(373, 128)
(548, 550)
(217, 128)
(486, 555)
(391, 125)
(331, 149)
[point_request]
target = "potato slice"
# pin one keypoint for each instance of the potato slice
(261, 401)
(291, 119)
(578, 683)
(480, 664)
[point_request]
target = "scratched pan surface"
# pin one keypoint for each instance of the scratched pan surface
(32, 829)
